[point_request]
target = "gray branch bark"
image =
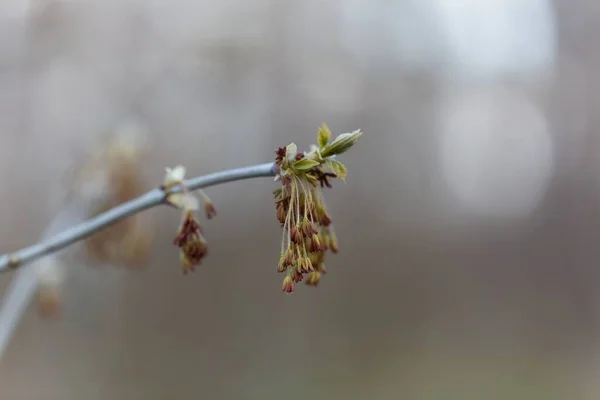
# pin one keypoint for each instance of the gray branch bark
(151, 199)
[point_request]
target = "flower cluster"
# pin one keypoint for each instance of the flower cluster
(307, 226)
(189, 238)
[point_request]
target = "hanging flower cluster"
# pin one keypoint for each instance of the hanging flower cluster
(189, 238)
(307, 227)
(308, 232)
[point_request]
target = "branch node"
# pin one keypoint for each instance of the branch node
(13, 261)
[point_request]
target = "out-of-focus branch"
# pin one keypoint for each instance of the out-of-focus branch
(27, 281)
(151, 199)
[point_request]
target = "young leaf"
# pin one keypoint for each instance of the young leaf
(290, 151)
(338, 168)
(304, 164)
(323, 136)
(173, 176)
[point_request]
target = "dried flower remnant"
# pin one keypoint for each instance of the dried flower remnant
(189, 238)
(112, 176)
(307, 226)
(49, 301)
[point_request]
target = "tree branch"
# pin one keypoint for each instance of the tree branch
(151, 199)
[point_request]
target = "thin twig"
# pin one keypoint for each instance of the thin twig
(151, 199)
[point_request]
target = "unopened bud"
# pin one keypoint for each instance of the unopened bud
(341, 144)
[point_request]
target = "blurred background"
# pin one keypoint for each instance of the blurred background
(469, 225)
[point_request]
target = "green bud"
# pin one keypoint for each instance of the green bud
(341, 144)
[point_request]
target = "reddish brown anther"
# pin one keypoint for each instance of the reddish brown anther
(308, 228)
(296, 236)
(194, 250)
(192, 245)
(289, 257)
(280, 155)
(323, 177)
(315, 244)
(281, 214)
(308, 267)
(188, 227)
(281, 267)
(288, 285)
(298, 276)
(286, 180)
(300, 265)
(324, 218)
